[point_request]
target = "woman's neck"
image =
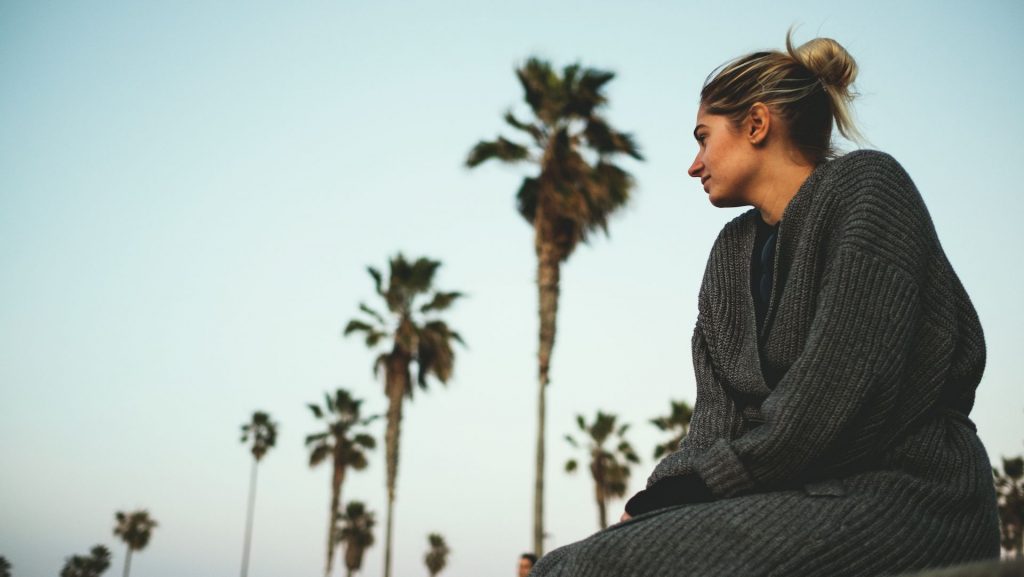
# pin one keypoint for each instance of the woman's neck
(779, 185)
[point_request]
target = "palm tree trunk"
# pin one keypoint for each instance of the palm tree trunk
(597, 469)
(548, 264)
(249, 519)
(128, 561)
(387, 538)
(336, 480)
(396, 382)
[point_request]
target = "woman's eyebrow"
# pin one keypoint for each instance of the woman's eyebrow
(698, 127)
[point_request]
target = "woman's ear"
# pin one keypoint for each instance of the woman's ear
(759, 121)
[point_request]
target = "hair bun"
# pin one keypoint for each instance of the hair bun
(826, 59)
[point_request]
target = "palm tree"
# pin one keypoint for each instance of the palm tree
(356, 532)
(5, 567)
(263, 433)
(1010, 497)
(413, 335)
(91, 565)
(676, 422)
(437, 556)
(135, 529)
(345, 445)
(609, 468)
(576, 188)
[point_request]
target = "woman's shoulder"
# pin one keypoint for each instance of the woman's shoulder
(865, 165)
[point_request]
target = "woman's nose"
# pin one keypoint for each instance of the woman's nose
(696, 168)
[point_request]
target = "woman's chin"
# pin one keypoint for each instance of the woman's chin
(724, 201)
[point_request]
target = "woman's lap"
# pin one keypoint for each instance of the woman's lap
(824, 530)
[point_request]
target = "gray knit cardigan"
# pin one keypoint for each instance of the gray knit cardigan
(836, 442)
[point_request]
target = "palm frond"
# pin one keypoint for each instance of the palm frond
(585, 95)
(355, 325)
(365, 440)
(315, 438)
(501, 149)
(377, 280)
(373, 313)
(379, 362)
(317, 412)
(606, 140)
(532, 129)
(318, 454)
(539, 82)
(441, 301)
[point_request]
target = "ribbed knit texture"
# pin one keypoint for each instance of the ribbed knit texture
(836, 441)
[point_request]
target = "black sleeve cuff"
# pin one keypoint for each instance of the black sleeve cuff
(682, 490)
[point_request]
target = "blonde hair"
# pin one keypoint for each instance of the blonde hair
(808, 86)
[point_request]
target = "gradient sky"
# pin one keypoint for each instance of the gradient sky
(190, 193)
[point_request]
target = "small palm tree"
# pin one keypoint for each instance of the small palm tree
(345, 444)
(263, 433)
(91, 565)
(609, 468)
(1010, 498)
(356, 532)
(135, 529)
(437, 555)
(413, 335)
(5, 567)
(572, 194)
(676, 422)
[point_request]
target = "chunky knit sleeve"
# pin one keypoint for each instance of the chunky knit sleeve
(856, 351)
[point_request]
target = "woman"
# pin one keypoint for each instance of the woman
(836, 357)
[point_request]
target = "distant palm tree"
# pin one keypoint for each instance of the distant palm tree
(91, 565)
(608, 467)
(437, 556)
(135, 529)
(263, 433)
(5, 567)
(676, 422)
(345, 445)
(571, 196)
(413, 336)
(356, 532)
(1010, 497)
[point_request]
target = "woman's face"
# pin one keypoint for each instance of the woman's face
(725, 162)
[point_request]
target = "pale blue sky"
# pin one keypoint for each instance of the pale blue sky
(190, 191)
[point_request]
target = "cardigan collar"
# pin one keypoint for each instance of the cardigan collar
(738, 349)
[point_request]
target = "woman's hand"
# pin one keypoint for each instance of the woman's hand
(625, 517)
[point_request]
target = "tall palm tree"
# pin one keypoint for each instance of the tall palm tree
(437, 556)
(413, 334)
(676, 422)
(135, 529)
(572, 194)
(356, 532)
(608, 467)
(263, 433)
(91, 565)
(345, 444)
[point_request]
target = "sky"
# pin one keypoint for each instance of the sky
(190, 193)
